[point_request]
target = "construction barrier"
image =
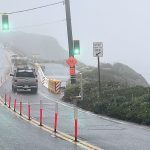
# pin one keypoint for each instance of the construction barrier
(43, 78)
(54, 86)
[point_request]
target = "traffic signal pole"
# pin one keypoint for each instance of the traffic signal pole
(71, 56)
(70, 37)
(69, 27)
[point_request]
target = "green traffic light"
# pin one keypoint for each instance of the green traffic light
(5, 23)
(76, 52)
(5, 26)
(76, 47)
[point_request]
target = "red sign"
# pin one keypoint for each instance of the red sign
(71, 61)
(72, 71)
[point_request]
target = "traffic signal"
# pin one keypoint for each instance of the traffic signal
(73, 79)
(76, 47)
(5, 23)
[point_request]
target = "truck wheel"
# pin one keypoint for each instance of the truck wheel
(34, 91)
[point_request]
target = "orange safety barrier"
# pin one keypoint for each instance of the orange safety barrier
(54, 86)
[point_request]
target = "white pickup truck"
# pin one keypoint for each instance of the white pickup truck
(24, 79)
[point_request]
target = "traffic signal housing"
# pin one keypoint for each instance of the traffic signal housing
(5, 23)
(73, 79)
(76, 47)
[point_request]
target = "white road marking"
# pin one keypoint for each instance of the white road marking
(99, 116)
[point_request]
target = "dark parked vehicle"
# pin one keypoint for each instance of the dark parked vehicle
(24, 79)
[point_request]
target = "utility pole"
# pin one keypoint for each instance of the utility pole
(70, 38)
(69, 27)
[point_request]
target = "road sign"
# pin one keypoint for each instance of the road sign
(72, 70)
(71, 61)
(97, 49)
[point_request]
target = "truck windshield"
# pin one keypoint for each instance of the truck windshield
(25, 74)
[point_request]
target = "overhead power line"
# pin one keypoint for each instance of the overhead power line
(31, 9)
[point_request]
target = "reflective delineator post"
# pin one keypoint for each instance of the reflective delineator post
(5, 98)
(21, 108)
(75, 123)
(15, 104)
(9, 102)
(56, 117)
(29, 111)
(41, 112)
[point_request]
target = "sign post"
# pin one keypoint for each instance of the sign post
(98, 52)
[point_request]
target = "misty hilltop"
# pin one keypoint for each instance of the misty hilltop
(118, 75)
(48, 49)
(45, 47)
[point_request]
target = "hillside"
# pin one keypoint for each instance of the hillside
(119, 75)
(45, 47)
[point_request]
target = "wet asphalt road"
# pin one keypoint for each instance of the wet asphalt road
(106, 133)
(16, 134)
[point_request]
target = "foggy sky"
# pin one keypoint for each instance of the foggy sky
(122, 25)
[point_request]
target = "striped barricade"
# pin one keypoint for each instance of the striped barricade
(54, 86)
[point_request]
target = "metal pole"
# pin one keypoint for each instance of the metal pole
(99, 78)
(69, 27)
(81, 87)
(69, 33)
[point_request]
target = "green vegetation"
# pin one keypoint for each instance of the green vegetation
(117, 100)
